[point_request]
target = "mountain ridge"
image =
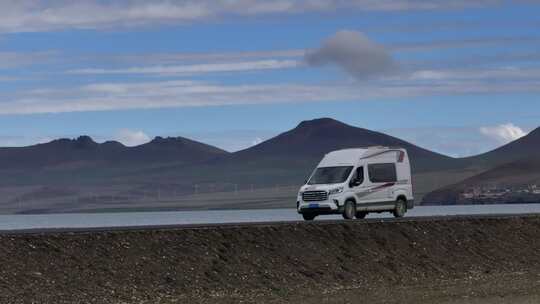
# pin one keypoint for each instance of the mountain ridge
(516, 174)
(85, 149)
(186, 166)
(320, 128)
(522, 147)
(314, 138)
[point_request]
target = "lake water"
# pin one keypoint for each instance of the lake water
(123, 219)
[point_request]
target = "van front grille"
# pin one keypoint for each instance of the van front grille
(314, 196)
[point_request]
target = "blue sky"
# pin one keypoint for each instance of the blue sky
(458, 77)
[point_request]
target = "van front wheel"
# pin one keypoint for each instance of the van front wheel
(401, 208)
(349, 210)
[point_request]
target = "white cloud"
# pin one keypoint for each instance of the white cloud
(197, 68)
(256, 141)
(504, 133)
(207, 57)
(32, 15)
(21, 141)
(189, 93)
(12, 141)
(131, 138)
(355, 53)
(505, 73)
(165, 94)
(451, 141)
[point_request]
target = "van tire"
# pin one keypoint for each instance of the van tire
(361, 215)
(349, 210)
(308, 216)
(401, 208)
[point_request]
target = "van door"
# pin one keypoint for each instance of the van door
(360, 187)
(382, 177)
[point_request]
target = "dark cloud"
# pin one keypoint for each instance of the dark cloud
(355, 53)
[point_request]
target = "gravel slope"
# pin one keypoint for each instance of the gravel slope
(441, 261)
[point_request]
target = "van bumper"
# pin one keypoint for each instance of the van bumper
(323, 207)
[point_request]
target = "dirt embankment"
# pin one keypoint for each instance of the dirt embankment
(445, 261)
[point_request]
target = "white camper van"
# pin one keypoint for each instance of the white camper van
(354, 182)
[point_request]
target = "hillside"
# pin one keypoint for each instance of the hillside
(76, 174)
(84, 150)
(524, 147)
(173, 149)
(314, 138)
(509, 168)
(510, 182)
(289, 158)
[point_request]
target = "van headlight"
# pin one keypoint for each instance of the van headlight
(335, 191)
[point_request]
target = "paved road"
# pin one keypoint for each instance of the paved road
(279, 223)
(135, 220)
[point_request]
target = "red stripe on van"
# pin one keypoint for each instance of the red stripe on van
(383, 186)
(401, 156)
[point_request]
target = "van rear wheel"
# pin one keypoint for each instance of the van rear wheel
(401, 208)
(349, 210)
(309, 216)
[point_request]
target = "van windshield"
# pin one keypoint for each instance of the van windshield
(330, 175)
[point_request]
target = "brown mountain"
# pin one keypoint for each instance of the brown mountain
(312, 139)
(513, 165)
(512, 177)
(289, 157)
(173, 149)
(524, 147)
(84, 150)
(81, 167)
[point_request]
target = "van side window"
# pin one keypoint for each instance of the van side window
(382, 173)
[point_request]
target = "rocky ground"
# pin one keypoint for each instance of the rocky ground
(430, 261)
